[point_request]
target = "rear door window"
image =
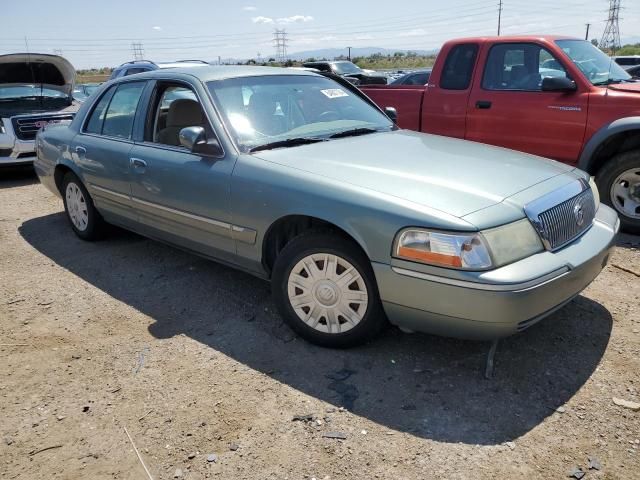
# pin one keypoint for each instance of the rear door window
(94, 125)
(121, 112)
(458, 67)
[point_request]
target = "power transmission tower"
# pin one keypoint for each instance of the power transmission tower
(611, 37)
(499, 16)
(138, 52)
(280, 42)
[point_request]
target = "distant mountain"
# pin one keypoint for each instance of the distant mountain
(331, 53)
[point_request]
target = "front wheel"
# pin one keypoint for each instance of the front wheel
(619, 185)
(324, 288)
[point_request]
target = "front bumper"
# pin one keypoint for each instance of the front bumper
(16, 152)
(509, 302)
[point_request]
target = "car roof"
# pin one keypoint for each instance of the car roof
(208, 73)
(512, 39)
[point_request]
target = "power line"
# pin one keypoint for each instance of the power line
(611, 37)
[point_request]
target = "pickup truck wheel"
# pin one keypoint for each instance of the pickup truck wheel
(324, 288)
(619, 185)
(85, 220)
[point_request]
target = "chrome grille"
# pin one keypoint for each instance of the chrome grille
(564, 215)
(27, 127)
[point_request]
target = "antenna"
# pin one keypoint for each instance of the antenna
(611, 37)
(138, 51)
(499, 16)
(280, 42)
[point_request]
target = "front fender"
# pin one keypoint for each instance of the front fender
(618, 126)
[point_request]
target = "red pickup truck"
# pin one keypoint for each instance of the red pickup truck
(556, 97)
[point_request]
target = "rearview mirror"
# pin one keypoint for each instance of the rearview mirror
(392, 113)
(195, 139)
(558, 84)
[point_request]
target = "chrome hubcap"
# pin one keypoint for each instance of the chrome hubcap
(327, 293)
(77, 207)
(625, 193)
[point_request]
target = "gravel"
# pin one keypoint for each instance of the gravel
(211, 378)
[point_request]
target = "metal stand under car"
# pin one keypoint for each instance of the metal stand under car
(488, 370)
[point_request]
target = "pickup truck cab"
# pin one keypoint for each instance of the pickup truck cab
(555, 97)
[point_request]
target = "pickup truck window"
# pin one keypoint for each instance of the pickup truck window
(458, 67)
(118, 119)
(519, 66)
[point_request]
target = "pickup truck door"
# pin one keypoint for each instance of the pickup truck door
(101, 150)
(507, 106)
(180, 196)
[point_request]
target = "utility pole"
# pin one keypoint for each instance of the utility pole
(586, 35)
(499, 16)
(280, 42)
(349, 57)
(138, 52)
(611, 37)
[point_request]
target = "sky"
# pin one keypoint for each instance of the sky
(97, 34)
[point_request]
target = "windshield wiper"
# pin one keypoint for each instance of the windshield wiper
(354, 132)
(289, 142)
(13, 99)
(609, 81)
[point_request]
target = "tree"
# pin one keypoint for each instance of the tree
(594, 42)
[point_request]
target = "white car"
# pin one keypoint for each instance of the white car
(35, 90)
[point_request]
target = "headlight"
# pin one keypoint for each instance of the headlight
(596, 193)
(469, 251)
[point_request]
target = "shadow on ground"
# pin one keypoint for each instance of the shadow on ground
(17, 176)
(429, 386)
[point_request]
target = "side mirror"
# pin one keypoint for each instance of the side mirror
(392, 113)
(195, 139)
(558, 84)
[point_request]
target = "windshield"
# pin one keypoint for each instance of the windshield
(344, 68)
(29, 91)
(599, 68)
(266, 109)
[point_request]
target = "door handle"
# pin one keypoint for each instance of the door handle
(483, 104)
(81, 150)
(137, 163)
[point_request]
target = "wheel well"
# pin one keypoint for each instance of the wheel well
(614, 145)
(285, 229)
(58, 175)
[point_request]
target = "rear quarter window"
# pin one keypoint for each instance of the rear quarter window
(458, 67)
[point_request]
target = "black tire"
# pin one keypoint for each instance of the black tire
(315, 242)
(605, 179)
(95, 225)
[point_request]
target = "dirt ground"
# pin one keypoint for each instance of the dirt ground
(191, 359)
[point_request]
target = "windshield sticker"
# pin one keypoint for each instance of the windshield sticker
(334, 93)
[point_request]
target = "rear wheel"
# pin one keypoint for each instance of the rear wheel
(324, 288)
(619, 185)
(85, 220)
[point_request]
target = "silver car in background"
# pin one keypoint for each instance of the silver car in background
(300, 179)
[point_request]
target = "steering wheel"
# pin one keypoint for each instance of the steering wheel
(329, 116)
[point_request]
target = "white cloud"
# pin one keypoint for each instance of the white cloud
(262, 20)
(295, 19)
(416, 32)
(364, 37)
(157, 28)
(249, 8)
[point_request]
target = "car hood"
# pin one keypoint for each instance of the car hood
(626, 87)
(454, 176)
(51, 71)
